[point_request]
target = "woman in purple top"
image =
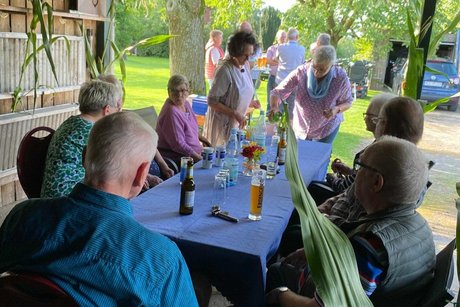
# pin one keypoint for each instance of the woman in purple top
(177, 127)
(323, 94)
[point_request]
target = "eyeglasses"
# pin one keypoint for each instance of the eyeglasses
(369, 115)
(357, 165)
(177, 92)
(375, 120)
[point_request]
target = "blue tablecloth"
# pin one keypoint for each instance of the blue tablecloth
(234, 255)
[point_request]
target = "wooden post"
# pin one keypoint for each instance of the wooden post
(429, 9)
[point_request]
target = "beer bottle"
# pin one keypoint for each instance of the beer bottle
(282, 129)
(187, 192)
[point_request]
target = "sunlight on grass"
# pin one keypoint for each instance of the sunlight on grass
(147, 79)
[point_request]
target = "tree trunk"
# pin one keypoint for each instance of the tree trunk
(186, 50)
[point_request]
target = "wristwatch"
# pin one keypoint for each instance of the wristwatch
(281, 290)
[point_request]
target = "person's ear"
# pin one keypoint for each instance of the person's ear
(377, 182)
(106, 110)
(141, 174)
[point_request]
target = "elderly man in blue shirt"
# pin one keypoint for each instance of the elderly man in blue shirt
(290, 56)
(88, 243)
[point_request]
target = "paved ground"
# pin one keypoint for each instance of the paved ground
(441, 143)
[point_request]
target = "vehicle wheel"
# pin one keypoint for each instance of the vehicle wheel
(452, 107)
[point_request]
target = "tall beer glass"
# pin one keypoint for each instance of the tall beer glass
(257, 194)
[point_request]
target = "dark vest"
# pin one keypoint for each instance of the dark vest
(409, 243)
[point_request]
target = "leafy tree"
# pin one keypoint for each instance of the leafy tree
(134, 23)
(227, 14)
(375, 21)
(269, 25)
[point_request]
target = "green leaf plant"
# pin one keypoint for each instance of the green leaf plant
(99, 66)
(416, 60)
(329, 252)
(32, 50)
(457, 203)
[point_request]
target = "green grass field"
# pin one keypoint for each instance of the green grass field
(147, 78)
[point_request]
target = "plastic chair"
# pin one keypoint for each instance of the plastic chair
(24, 289)
(31, 160)
(438, 292)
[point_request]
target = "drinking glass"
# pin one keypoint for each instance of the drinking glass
(257, 194)
(219, 192)
(207, 153)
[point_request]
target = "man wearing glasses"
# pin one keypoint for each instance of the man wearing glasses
(386, 241)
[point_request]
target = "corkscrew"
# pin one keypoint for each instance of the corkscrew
(215, 211)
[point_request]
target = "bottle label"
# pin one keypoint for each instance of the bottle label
(282, 157)
(189, 200)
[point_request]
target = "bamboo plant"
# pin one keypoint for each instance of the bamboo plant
(32, 51)
(98, 66)
(416, 60)
(457, 203)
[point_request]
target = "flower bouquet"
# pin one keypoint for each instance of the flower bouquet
(252, 153)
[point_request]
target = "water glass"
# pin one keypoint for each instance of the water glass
(219, 192)
(226, 173)
(257, 194)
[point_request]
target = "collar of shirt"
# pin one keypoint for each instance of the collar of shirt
(100, 198)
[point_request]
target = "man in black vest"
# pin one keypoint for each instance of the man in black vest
(391, 175)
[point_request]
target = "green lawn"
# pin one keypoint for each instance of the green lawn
(147, 78)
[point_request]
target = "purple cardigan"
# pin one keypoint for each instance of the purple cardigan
(177, 130)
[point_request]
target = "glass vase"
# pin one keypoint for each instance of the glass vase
(249, 165)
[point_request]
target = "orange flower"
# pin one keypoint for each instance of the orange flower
(252, 151)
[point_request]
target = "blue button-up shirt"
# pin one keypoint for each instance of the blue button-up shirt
(89, 244)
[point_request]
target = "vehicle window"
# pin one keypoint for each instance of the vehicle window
(447, 68)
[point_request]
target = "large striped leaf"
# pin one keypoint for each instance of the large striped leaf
(432, 105)
(328, 250)
(457, 203)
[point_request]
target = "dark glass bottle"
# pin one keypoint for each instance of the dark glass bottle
(282, 130)
(187, 191)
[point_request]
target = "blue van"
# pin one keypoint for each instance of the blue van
(439, 86)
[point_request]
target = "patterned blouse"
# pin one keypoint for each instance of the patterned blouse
(64, 163)
(308, 120)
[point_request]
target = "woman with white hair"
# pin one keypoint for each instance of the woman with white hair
(64, 168)
(323, 93)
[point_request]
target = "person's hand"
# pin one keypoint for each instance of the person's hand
(273, 114)
(255, 104)
(272, 297)
(297, 259)
(166, 171)
(240, 119)
(153, 180)
(330, 113)
(338, 167)
(330, 177)
(196, 157)
(206, 143)
(326, 207)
